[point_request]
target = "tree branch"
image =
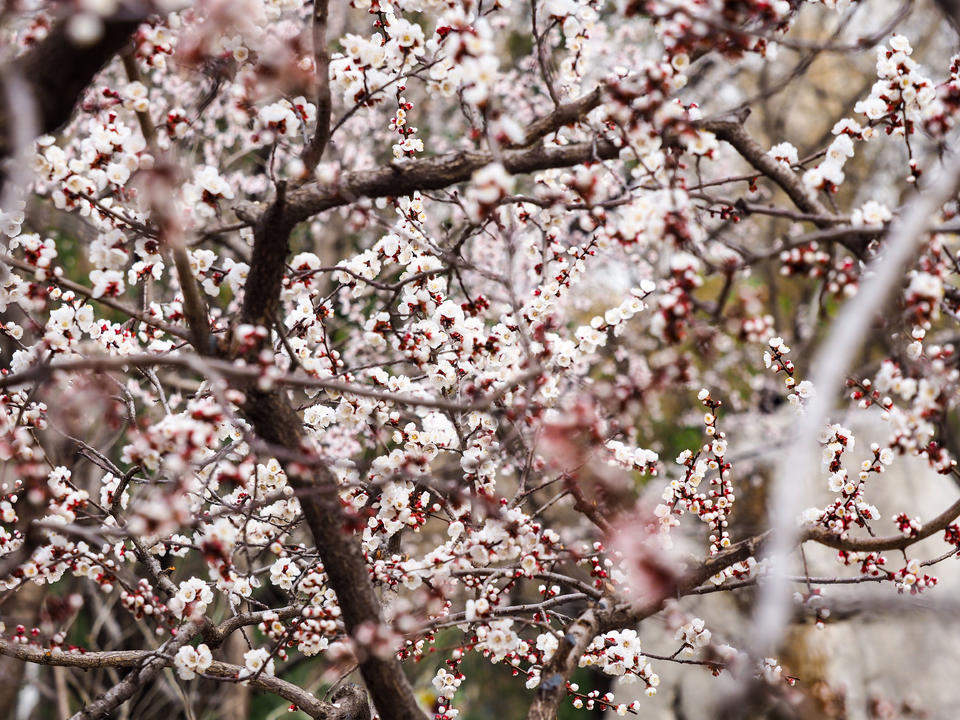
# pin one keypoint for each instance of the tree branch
(404, 178)
(734, 133)
(247, 373)
(275, 421)
(321, 60)
(153, 663)
(57, 70)
(349, 709)
(892, 542)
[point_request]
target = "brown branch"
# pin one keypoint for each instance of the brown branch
(216, 635)
(305, 701)
(247, 373)
(57, 70)
(152, 664)
(276, 422)
(556, 673)
(564, 114)
(542, 59)
(734, 133)
(170, 233)
(66, 284)
(321, 60)
(271, 243)
(892, 542)
(143, 117)
(404, 178)
(194, 306)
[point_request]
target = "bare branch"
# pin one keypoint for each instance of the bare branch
(321, 61)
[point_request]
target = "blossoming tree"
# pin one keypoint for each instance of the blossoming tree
(347, 347)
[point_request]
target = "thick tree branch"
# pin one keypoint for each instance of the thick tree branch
(556, 673)
(564, 114)
(276, 422)
(271, 243)
(58, 69)
(194, 306)
(404, 178)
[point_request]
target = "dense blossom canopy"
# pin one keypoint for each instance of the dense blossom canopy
(353, 352)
